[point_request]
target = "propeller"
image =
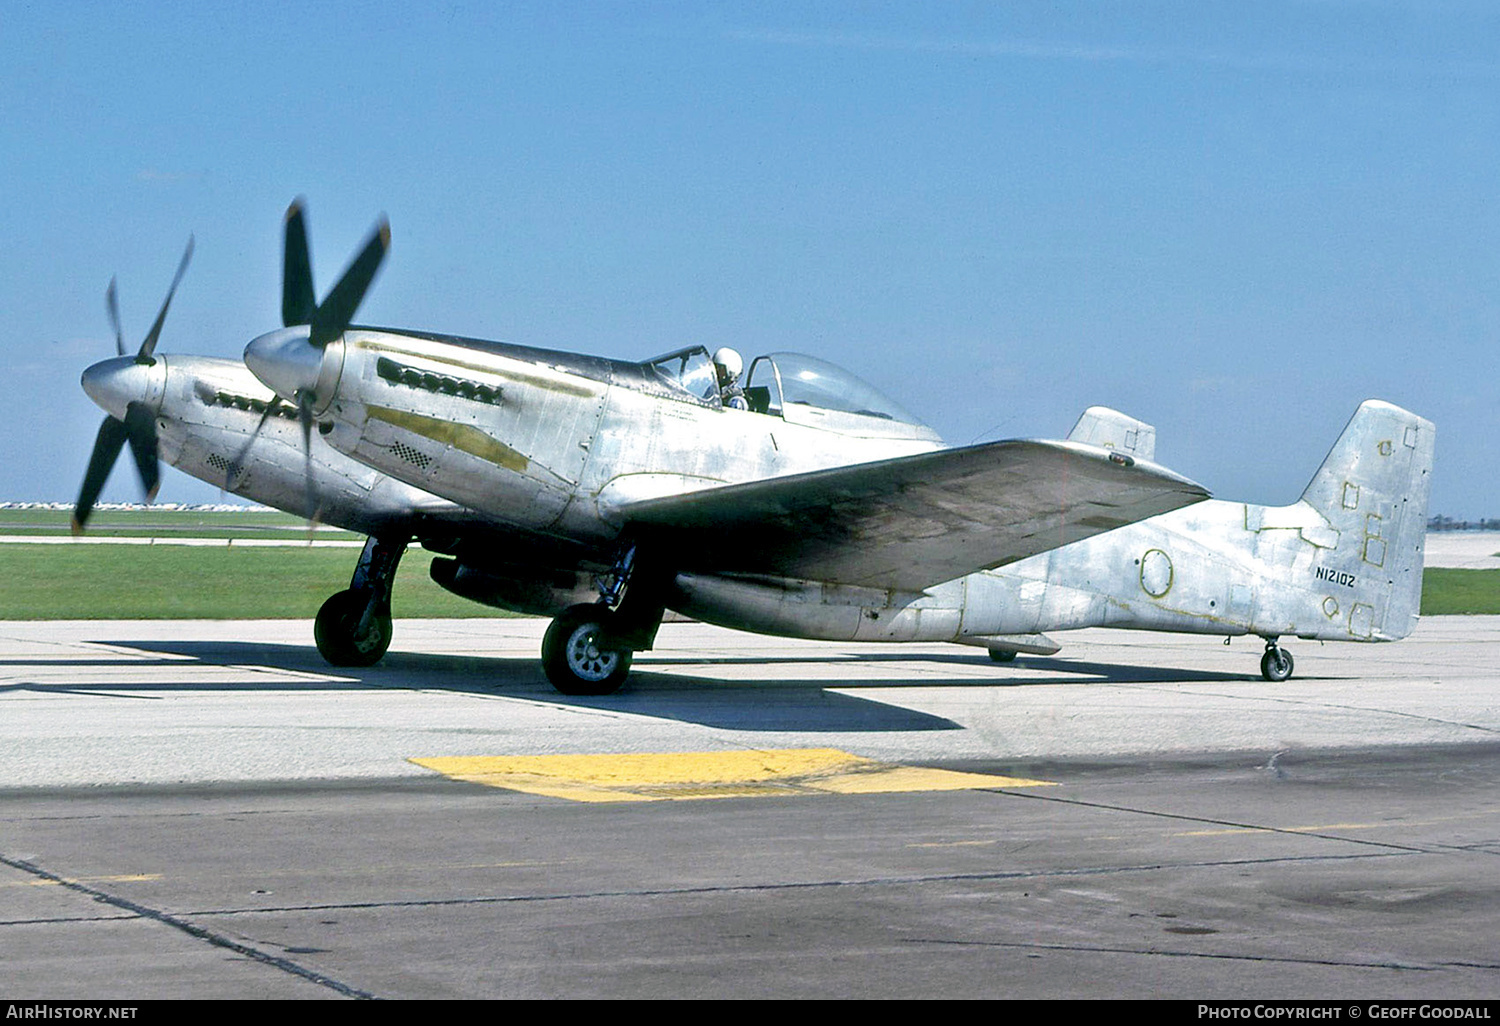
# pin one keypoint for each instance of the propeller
(309, 493)
(236, 469)
(138, 429)
(305, 418)
(327, 320)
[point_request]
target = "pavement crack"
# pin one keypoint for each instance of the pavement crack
(768, 888)
(1178, 953)
(1368, 710)
(1405, 849)
(52, 920)
(196, 932)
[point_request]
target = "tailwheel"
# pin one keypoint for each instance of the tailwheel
(1276, 664)
(573, 659)
(337, 630)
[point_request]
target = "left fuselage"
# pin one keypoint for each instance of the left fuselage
(543, 440)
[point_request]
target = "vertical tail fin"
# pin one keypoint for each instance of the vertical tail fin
(1372, 489)
(1112, 429)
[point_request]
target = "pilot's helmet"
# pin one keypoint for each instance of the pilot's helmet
(728, 363)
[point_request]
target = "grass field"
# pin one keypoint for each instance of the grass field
(1451, 591)
(170, 523)
(159, 582)
(168, 582)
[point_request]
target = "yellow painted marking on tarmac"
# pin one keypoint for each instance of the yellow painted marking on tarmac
(677, 776)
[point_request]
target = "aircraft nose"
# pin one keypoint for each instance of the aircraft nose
(285, 361)
(114, 384)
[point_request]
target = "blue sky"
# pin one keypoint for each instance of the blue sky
(1233, 220)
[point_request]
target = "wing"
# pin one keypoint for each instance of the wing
(916, 521)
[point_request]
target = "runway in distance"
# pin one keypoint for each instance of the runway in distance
(797, 501)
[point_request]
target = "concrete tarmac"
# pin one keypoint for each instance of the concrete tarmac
(193, 809)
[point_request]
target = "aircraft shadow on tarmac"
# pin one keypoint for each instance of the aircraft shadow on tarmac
(790, 703)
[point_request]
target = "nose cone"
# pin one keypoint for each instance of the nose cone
(114, 384)
(285, 361)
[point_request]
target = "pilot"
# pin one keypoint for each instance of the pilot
(727, 365)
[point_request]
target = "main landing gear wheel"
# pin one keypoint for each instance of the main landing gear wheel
(1276, 664)
(572, 658)
(1002, 655)
(336, 631)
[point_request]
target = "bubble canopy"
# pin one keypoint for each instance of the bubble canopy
(800, 389)
(796, 379)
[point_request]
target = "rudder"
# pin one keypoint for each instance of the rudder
(1373, 490)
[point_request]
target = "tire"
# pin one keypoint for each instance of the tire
(572, 661)
(334, 629)
(1276, 665)
(1002, 655)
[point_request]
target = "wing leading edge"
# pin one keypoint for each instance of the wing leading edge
(916, 521)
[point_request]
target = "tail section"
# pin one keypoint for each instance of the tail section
(1372, 491)
(1111, 429)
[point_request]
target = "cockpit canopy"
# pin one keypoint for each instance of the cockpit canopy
(798, 388)
(691, 370)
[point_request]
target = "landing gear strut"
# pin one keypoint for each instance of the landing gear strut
(1276, 664)
(588, 649)
(354, 627)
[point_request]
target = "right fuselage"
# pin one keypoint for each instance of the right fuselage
(1344, 562)
(1195, 570)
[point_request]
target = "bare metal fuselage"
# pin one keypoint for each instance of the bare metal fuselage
(557, 444)
(1343, 563)
(1163, 574)
(558, 448)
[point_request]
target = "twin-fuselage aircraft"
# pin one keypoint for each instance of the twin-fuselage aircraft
(797, 501)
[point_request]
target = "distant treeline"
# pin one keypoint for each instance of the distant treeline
(1442, 523)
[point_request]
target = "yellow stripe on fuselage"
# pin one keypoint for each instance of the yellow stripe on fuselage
(460, 436)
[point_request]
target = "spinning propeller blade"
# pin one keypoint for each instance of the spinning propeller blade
(148, 347)
(299, 304)
(305, 401)
(337, 309)
(107, 448)
(113, 306)
(298, 301)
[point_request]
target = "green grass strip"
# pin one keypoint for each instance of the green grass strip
(166, 523)
(1452, 591)
(177, 582)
